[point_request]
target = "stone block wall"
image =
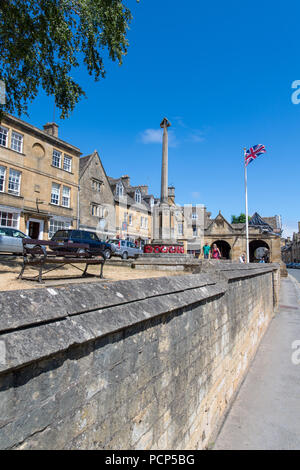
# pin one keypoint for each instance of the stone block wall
(142, 364)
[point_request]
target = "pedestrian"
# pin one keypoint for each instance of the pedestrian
(242, 258)
(215, 252)
(206, 250)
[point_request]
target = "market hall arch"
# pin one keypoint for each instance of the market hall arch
(259, 249)
(224, 247)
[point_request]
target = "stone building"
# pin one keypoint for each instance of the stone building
(38, 179)
(133, 209)
(186, 223)
(264, 237)
(97, 206)
(290, 250)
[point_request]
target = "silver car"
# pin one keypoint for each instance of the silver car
(11, 240)
(125, 249)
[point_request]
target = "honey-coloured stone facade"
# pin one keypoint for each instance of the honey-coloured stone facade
(39, 189)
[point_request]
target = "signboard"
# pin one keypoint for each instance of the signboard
(155, 249)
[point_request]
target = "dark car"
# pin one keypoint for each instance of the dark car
(82, 236)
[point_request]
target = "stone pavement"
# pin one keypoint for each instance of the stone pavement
(266, 412)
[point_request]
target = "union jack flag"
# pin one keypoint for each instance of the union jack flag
(254, 152)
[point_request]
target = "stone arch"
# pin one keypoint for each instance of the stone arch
(224, 248)
(259, 249)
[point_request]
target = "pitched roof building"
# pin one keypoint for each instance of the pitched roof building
(97, 205)
(133, 207)
(231, 238)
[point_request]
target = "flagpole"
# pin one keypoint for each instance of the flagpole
(246, 204)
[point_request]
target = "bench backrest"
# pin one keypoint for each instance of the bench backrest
(31, 241)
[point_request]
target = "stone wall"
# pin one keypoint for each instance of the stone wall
(143, 364)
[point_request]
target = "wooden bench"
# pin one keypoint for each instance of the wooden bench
(36, 254)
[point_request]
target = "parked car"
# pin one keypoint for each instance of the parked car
(125, 249)
(11, 240)
(83, 236)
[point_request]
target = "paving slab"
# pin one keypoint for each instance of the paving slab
(266, 412)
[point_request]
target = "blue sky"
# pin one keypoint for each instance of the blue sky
(222, 73)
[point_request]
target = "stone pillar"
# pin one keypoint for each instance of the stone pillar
(164, 169)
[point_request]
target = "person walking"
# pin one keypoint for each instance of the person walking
(215, 252)
(206, 250)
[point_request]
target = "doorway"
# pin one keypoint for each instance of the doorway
(35, 229)
(224, 248)
(259, 250)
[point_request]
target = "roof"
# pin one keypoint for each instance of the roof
(257, 221)
(129, 193)
(40, 133)
(83, 163)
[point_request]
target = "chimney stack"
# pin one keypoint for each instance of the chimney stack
(51, 128)
(126, 180)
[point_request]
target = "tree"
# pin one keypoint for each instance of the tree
(43, 41)
(241, 219)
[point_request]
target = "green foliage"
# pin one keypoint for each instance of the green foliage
(241, 219)
(43, 41)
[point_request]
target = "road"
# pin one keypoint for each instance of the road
(295, 273)
(266, 412)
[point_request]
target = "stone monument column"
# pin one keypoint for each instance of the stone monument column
(164, 242)
(164, 168)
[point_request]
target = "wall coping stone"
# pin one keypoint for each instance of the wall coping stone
(38, 323)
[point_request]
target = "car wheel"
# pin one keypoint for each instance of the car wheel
(107, 254)
(125, 255)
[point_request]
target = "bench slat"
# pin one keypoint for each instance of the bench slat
(59, 256)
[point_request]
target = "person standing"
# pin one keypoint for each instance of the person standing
(242, 258)
(206, 250)
(215, 252)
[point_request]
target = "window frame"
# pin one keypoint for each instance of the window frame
(138, 196)
(4, 178)
(6, 129)
(97, 210)
(96, 185)
(56, 156)
(11, 182)
(21, 141)
(53, 193)
(63, 196)
(15, 218)
(67, 158)
(55, 222)
(119, 189)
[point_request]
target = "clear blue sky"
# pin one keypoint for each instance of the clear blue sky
(221, 72)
